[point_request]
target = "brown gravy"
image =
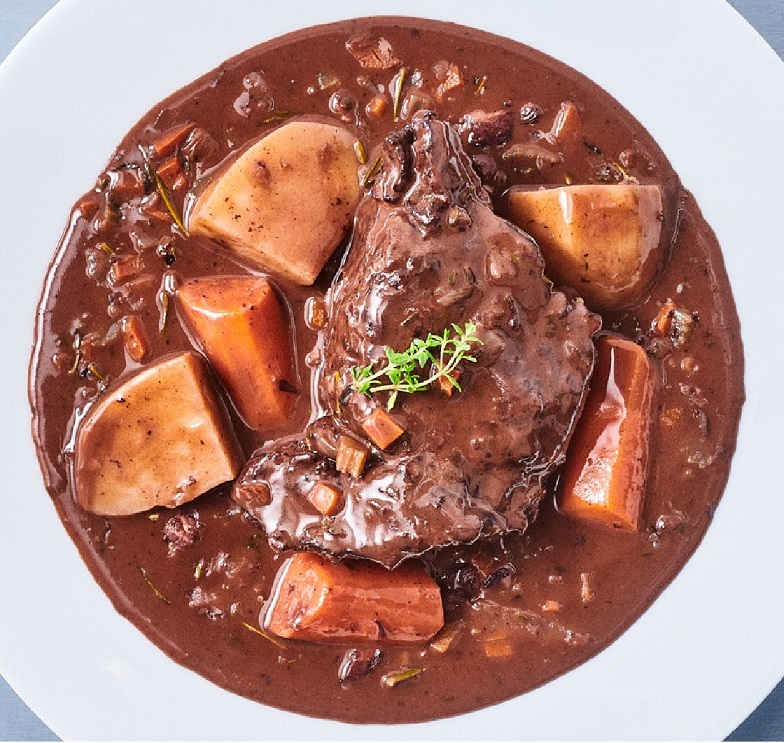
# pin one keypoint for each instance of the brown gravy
(528, 623)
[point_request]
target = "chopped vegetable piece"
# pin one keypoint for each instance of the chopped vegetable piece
(326, 498)
(391, 680)
(353, 601)
(674, 322)
(498, 648)
(136, 343)
(170, 172)
(160, 438)
(448, 77)
(372, 52)
(587, 592)
(124, 268)
(286, 202)
(567, 124)
(242, 327)
(602, 240)
(351, 456)
(381, 429)
(604, 476)
(166, 142)
(377, 107)
(163, 192)
(446, 637)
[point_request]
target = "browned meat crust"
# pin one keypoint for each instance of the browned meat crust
(428, 252)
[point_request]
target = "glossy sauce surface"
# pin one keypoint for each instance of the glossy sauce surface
(523, 609)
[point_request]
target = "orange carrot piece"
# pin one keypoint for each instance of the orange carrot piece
(351, 456)
(382, 429)
(241, 326)
(136, 343)
(167, 141)
(326, 498)
(603, 479)
(170, 172)
(315, 599)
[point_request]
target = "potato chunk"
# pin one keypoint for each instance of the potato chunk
(602, 240)
(286, 202)
(603, 479)
(160, 438)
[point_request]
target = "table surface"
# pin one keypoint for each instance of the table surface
(17, 722)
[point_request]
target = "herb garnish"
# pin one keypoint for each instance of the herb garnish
(445, 352)
(400, 80)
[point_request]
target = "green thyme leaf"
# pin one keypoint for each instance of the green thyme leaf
(439, 354)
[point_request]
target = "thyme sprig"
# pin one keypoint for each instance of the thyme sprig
(443, 353)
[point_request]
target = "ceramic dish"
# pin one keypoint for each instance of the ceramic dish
(709, 91)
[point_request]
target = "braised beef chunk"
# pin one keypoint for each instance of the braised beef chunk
(429, 252)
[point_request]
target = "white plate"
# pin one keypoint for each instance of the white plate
(712, 94)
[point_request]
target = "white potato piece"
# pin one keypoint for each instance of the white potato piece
(286, 202)
(161, 438)
(603, 240)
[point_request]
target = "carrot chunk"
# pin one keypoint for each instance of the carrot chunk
(326, 498)
(604, 476)
(166, 142)
(240, 324)
(135, 336)
(351, 456)
(315, 599)
(382, 429)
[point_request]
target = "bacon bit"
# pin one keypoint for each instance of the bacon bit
(377, 107)
(448, 77)
(135, 337)
(257, 494)
(587, 592)
(350, 456)
(381, 428)
(551, 605)
(488, 129)
(167, 141)
(373, 53)
(326, 498)
(181, 530)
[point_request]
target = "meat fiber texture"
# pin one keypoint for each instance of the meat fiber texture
(428, 251)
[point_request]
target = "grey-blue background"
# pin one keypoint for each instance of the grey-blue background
(17, 722)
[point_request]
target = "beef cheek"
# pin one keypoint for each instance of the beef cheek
(428, 251)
